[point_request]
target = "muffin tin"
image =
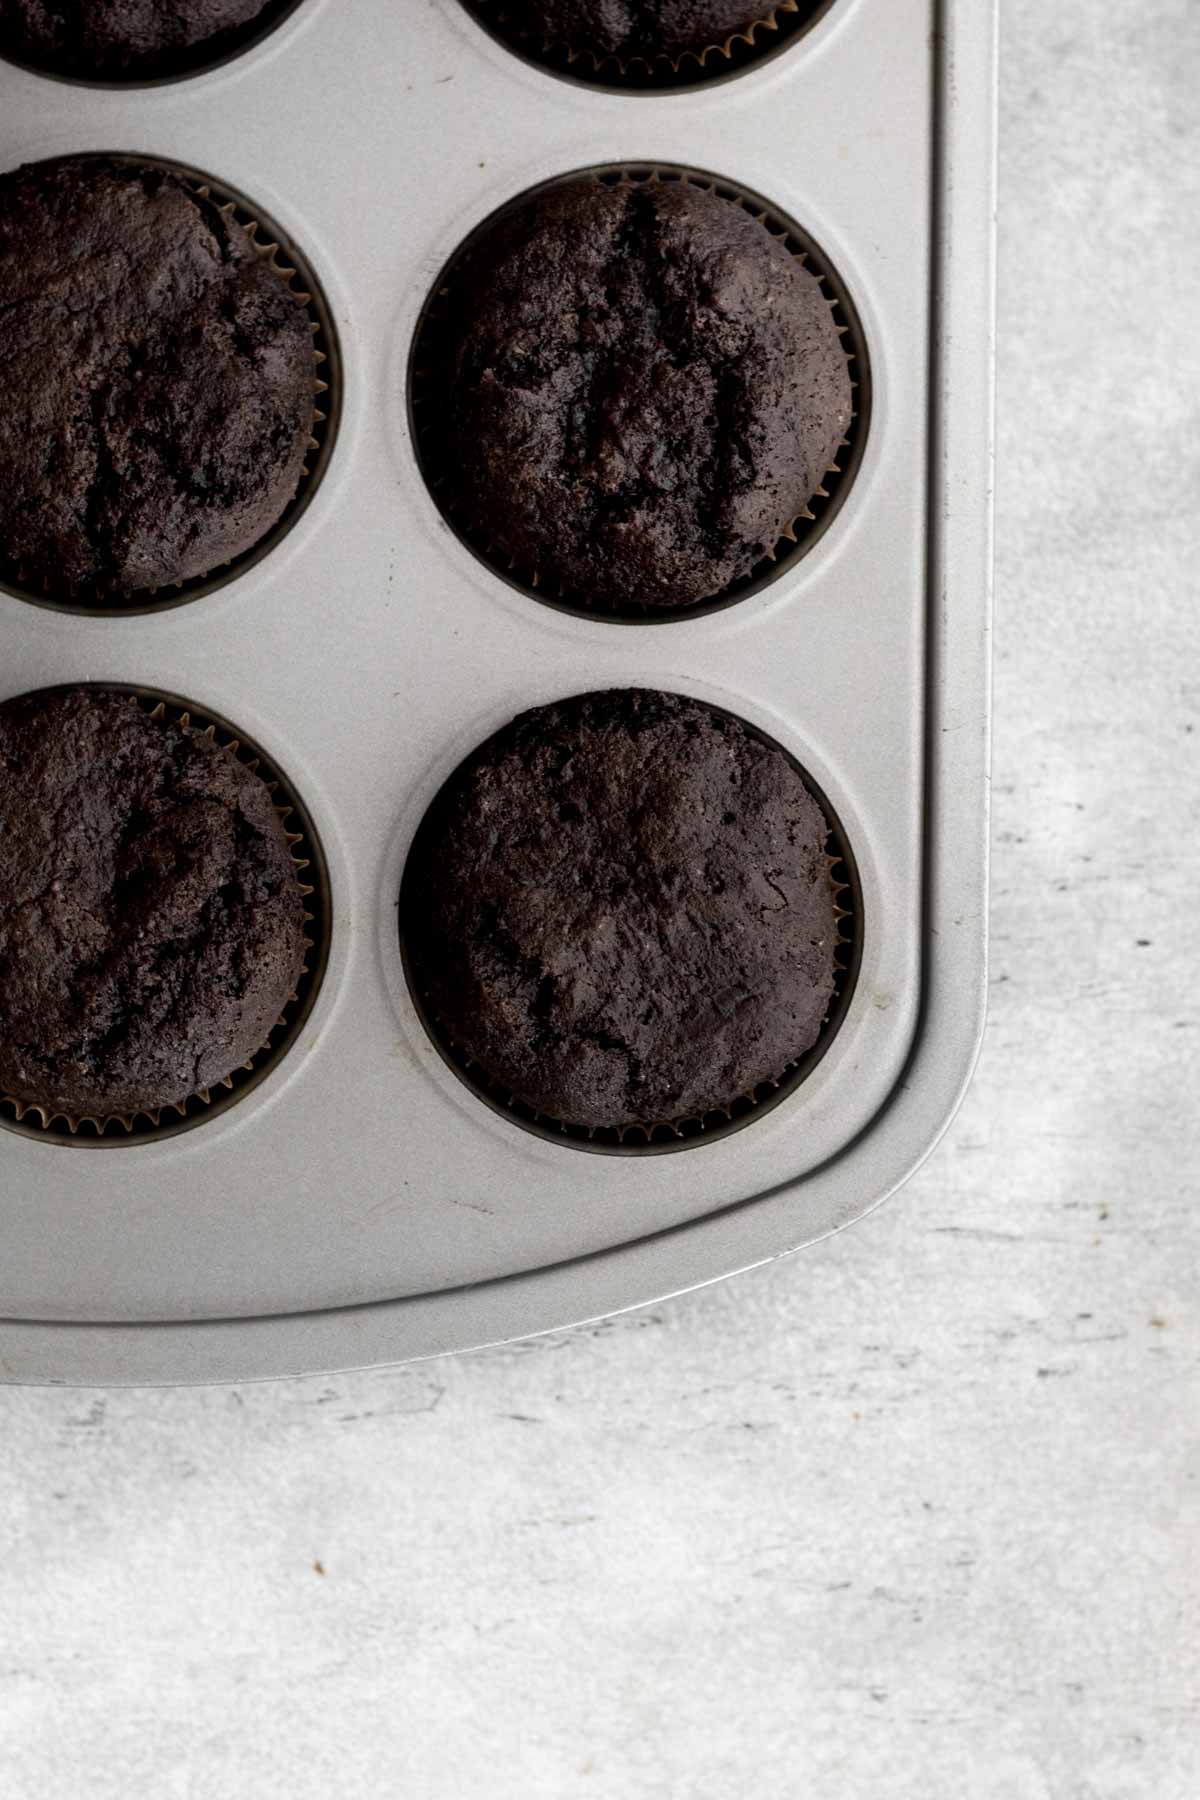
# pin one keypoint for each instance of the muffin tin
(361, 1205)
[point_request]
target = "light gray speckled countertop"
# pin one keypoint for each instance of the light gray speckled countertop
(906, 1518)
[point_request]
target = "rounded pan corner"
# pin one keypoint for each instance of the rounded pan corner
(744, 1236)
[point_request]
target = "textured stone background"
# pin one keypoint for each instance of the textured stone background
(908, 1518)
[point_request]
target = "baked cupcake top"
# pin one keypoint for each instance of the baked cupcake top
(621, 909)
(117, 40)
(151, 921)
(647, 388)
(159, 380)
(642, 28)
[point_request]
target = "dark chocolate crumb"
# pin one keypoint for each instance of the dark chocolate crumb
(117, 40)
(622, 909)
(647, 389)
(151, 921)
(159, 380)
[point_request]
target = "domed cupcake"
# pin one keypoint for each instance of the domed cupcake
(646, 43)
(636, 28)
(646, 390)
(131, 40)
(151, 918)
(160, 381)
(621, 912)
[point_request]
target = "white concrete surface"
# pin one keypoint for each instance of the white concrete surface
(910, 1518)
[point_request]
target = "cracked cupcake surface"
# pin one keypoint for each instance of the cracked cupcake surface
(127, 39)
(628, 28)
(646, 389)
(621, 909)
(159, 381)
(151, 921)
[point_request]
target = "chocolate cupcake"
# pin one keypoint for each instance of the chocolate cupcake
(646, 43)
(152, 926)
(160, 383)
(131, 40)
(636, 28)
(646, 390)
(620, 913)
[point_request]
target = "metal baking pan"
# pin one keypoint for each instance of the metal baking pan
(359, 1205)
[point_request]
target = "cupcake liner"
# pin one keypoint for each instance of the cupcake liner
(47, 1124)
(754, 42)
(288, 262)
(688, 1131)
(428, 418)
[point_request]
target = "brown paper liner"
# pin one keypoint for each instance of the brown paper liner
(429, 377)
(753, 43)
(47, 1123)
(289, 263)
(691, 1130)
